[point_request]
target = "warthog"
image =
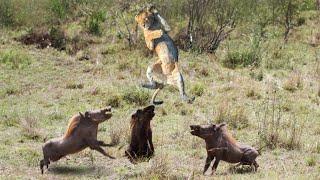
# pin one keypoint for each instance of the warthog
(81, 133)
(222, 146)
(141, 145)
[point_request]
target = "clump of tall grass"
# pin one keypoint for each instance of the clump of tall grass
(6, 13)
(234, 116)
(293, 83)
(158, 167)
(135, 95)
(14, 59)
(29, 126)
(277, 128)
(94, 21)
(241, 58)
(198, 89)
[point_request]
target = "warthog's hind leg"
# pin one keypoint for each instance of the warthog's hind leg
(44, 162)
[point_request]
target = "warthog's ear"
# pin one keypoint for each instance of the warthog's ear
(221, 126)
(134, 116)
(87, 114)
(214, 127)
(81, 115)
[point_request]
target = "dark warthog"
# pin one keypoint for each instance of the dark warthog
(141, 135)
(222, 146)
(81, 133)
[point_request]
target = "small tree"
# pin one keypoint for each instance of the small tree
(287, 11)
(210, 22)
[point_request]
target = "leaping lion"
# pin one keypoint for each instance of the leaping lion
(155, 30)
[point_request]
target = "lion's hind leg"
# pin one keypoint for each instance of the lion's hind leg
(176, 79)
(153, 84)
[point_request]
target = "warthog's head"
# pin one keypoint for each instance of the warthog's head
(97, 115)
(144, 115)
(205, 131)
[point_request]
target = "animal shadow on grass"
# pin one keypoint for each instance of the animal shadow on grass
(68, 170)
(241, 169)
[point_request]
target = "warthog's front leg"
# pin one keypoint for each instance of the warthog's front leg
(215, 165)
(94, 144)
(207, 164)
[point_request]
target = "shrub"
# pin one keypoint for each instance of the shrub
(74, 86)
(235, 117)
(244, 58)
(293, 83)
(29, 127)
(114, 100)
(253, 94)
(60, 8)
(277, 129)
(311, 161)
(94, 22)
(14, 59)
(6, 13)
(256, 75)
(198, 89)
(158, 167)
(58, 38)
(136, 96)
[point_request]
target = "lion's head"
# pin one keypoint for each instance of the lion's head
(149, 18)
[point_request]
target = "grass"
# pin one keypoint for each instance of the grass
(41, 89)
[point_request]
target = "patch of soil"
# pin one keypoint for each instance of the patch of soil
(56, 37)
(43, 38)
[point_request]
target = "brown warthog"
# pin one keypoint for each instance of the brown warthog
(81, 133)
(222, 146)
(141, 145)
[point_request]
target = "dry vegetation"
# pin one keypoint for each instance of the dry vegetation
(88, 55)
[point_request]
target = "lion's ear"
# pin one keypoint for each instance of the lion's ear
(163, 22)
(152, 9)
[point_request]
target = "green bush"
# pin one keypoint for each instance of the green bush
(94, 22)
(198, 89)
(14, 59)
(241, 59)
(136, 96)
(6, 13)
(60, 8)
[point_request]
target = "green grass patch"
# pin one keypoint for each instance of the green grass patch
(15, 59)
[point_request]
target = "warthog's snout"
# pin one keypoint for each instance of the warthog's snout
(194, 129)
(107, 109)
(150, 110)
